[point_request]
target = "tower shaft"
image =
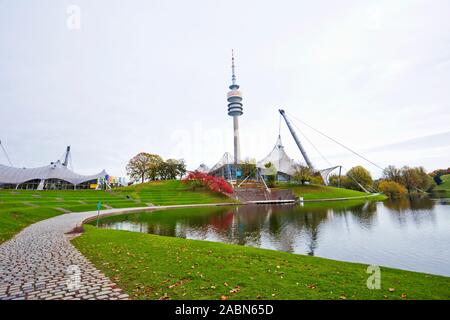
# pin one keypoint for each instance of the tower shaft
(237, 150)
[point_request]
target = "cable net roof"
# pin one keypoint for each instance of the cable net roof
(226, 159)
(325, 174)
(279, 158)
(12, 175)
(202, 168)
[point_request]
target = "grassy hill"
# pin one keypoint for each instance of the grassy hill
(170, 192)
(20, 208)
(315, 192)
(445, 183)
(442, 190)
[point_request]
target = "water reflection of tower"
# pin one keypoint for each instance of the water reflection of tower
(312, 222)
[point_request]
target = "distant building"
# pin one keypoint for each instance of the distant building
(55, 176)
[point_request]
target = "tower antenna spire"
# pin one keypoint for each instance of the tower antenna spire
(233, 74)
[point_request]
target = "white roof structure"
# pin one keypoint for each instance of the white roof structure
(12, 175)
(227, 158)
(202, 168)
(279, 159)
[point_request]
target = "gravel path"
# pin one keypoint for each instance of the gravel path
(41, 263)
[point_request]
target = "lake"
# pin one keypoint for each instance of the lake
(405, 234)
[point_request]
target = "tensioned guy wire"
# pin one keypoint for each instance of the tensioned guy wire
(337, 142)
(6, 153)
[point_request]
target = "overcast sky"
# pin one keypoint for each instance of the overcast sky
(152, 76)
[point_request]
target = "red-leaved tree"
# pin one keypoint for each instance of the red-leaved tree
(215, 184)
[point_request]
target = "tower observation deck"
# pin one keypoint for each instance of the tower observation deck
(234, 98)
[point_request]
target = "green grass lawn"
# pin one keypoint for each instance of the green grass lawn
(20, 208)
(171, 192)
(153, 267)
(315, 192)
(445, 185)
(442, 190)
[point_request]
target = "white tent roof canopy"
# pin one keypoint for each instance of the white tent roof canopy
(12, 175)
(202, 168)
(279, 158)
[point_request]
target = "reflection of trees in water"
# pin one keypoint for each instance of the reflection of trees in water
(281, 225)
(364, 214)
(419, 210)
(409, 204)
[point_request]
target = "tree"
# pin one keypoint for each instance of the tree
(138, 166)
(171, 168)
(336, 181)
(393, 174)
(357, 175)
(333, 180)
(147, 166)
(303, 174)
(155, 163)
(416, 179)
(392, 189)
(248, 168)
(181, 168)
(270, 172)
(168, 169)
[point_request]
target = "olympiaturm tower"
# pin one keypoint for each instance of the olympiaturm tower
(234, 98)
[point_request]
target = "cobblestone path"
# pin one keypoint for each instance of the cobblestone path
(41, 263)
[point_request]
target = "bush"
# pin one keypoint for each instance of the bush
(303, 174)
(200, 179)
(271, 181)
(335, 181)
(317, 179)
(392, 189)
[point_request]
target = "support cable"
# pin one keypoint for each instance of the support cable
(279, 125)
(312, 144)
(337, 142)
(359, 184)
(6, 154)
(70, 162)
(370, 188)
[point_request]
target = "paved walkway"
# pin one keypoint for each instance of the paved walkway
(41, 263)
